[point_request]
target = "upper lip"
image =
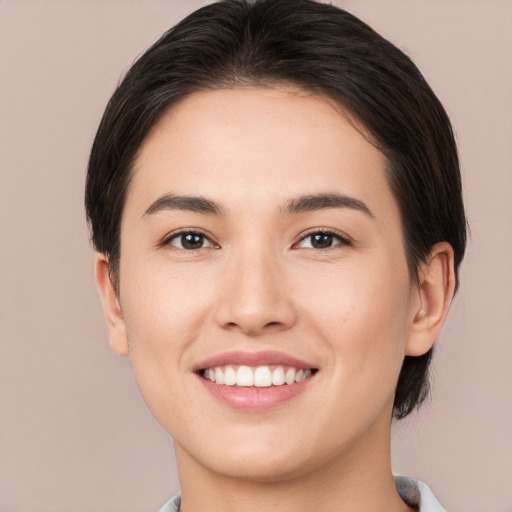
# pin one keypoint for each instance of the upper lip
(264, 358)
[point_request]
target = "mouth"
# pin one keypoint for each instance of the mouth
(255, 381)
(263, 376)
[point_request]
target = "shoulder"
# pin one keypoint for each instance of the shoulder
(173, 505)
(417, 494)
(414, 492)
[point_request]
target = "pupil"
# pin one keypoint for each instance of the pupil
(322, 240)
(192, 241)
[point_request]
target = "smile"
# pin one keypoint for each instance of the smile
(259, 377)
(255, 382)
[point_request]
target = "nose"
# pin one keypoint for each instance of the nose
(254, 297)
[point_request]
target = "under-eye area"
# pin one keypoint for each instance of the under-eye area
(259, 376)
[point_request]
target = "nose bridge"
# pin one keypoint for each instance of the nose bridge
(254, 297)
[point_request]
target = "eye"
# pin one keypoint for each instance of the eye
(322, 240)
(189, 241)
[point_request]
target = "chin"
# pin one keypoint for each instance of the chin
(261, 469)
(264, 461)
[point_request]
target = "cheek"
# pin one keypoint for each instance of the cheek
(362, 315)
(163, 314)
(364, 332)
(163, 311)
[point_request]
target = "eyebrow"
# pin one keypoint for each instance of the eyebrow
(316, 202)
(196, 204)
(303, 204)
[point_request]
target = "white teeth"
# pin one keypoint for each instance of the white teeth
(260, 377)
(289, 378)
(219, 376)
(229, 376)
(244, 376)
(278, 376)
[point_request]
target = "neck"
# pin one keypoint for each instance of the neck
(359, 479)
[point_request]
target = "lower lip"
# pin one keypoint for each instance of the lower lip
(252, 399)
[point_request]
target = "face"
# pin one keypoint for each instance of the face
(261, 247)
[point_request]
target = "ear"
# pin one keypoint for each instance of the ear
(436, 287)
(111, 307)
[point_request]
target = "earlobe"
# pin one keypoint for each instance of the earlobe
(436, 287)
(111, 307)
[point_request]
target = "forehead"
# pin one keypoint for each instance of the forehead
(260, 144)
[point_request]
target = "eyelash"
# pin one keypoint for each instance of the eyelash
(343, 240)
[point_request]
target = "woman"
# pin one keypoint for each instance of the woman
(274, 196)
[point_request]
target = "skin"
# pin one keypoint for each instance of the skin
(257, 284)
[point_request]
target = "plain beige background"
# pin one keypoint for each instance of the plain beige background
(74, 433)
